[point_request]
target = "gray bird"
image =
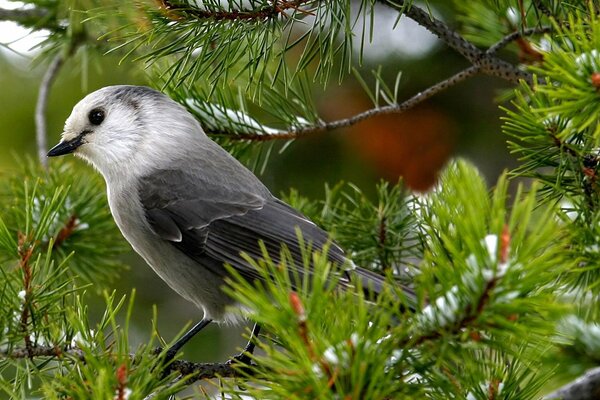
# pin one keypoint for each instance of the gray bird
(183, 202)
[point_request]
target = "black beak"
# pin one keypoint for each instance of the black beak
(65, 147)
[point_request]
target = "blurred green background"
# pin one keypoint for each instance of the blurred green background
(462, 121)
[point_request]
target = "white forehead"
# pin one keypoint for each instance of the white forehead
(114, 98)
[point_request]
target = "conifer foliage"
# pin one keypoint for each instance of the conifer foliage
(506, 279)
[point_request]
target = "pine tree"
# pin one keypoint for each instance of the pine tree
(506, 280)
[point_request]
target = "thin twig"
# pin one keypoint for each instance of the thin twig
(195, 371)
(23, 16)
(449, 36)
(487, 63)
(40, 108)
(496, 47)
(36, 18)
(178, 11)
(389, 109)
(342, 123)
(41, 351)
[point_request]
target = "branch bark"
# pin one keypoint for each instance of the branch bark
(178, 11)
(195, 371)
(486, 62)
(411, 102)
(37, 18)
(586, 387)
(23, 16)
(342, 123)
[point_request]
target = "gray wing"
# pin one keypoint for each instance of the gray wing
(215, 223)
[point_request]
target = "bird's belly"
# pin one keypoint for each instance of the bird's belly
(188, 278)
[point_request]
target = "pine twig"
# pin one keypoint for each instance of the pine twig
(40, 108)
(263, 13)
(195, 371)
(23, 16)
(511, 37)
(37, 18)
(41, 351)
(389, 109)
(487, 63)
(343, 123)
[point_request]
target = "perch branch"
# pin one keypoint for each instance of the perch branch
(194, 371)
(586, 387)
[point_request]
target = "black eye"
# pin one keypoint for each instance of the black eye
(96, 116)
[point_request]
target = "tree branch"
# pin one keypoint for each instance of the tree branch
(23, 16)
(390, 109)
(37, 18)
(41, 351)
(487, 63)
(278, 8)
(586, 387)
(342, 123)
(515, 36)
(40, 108)
(195, 371)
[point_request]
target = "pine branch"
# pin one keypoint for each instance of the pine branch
(346, 122)
(389, 109)
(23, 16)
(486, 62)
(195, 371)
(586, 387)
(41, 351)
(38, 18)
(516, 36)
(201, 371)
(179, 11)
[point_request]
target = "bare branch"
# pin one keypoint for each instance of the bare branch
(487, 63)
(342, 123)
(195, 371)
(41, 351)
(515, 36)
(178, 11)
(586, 387)
(393, 108)
(200, 371)
(36, 18)
(23, 16)
(40, 108)
(452, 38)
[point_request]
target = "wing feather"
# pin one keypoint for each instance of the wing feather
(204, 219)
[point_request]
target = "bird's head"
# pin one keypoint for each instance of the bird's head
(125, 127)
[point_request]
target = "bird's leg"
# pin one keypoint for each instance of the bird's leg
(185, 338)
(244, 356)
